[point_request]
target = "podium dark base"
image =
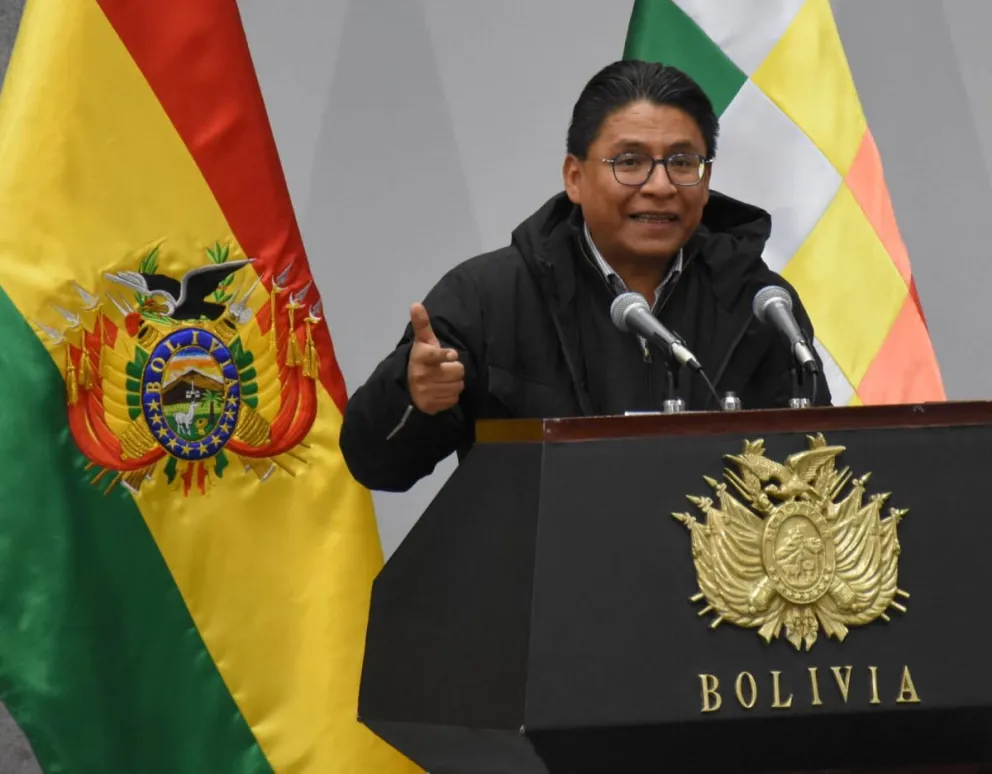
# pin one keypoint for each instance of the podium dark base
(918, 741)
(567, 603)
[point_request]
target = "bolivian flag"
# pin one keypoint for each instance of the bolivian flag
(185, 562)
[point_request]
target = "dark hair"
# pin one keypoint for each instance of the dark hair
(632, 80)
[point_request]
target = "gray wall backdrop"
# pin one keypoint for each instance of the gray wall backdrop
(416, 133)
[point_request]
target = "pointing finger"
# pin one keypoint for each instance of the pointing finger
(435, 355)
(421, 323)
(451, 372)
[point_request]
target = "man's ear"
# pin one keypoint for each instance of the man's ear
(571, 173)
(706, 184)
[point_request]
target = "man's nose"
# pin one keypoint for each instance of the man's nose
(659, 183)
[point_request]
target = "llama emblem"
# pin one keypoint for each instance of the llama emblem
(191, 374)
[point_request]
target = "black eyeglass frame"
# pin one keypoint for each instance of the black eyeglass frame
(703, 161)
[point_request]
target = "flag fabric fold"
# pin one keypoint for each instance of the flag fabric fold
(795, 141)
(185, 560)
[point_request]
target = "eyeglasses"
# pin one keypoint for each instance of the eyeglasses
(683, 169)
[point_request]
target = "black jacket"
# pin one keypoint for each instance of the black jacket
(513, 315)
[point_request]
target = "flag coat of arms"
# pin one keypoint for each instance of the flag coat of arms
(794, 140)
(185, 561)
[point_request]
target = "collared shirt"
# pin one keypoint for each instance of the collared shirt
(616, 282)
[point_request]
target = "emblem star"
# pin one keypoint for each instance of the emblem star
(173, 444)
(232, 401)
(212, 441)
(158, 421)
(153, 405)
(162, 432)
(229, 414)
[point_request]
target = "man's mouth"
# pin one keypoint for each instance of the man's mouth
(654, 217)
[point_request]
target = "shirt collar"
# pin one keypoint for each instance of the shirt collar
(614, 279)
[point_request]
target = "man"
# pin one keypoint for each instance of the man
(526, 331)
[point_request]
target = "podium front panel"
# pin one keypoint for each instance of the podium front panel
(616, 640)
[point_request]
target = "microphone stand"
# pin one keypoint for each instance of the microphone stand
(799, 399)
(672, 404)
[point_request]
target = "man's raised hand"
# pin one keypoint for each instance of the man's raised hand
(434, 375)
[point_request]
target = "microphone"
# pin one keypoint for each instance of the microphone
(631, 314)
(773, 304)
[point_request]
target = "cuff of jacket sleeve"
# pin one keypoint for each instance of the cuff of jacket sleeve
(412, 421)
(412, 418)
(402, 423)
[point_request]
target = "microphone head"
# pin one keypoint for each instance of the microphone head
(622, 305)
(767, 296)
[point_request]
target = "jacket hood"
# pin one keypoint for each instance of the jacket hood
(557, 218)
(748, 226)
(729, 240)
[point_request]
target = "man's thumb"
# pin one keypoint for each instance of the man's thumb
(421, 322)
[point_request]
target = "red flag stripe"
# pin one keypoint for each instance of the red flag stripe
(195, 57)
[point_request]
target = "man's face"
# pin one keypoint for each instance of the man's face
(647, 223)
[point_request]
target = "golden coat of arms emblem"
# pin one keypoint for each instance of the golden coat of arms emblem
(795, 554)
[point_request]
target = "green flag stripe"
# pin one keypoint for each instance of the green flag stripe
(100, 662)
(660, 31)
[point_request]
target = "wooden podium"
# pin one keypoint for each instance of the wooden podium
(720, 592)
